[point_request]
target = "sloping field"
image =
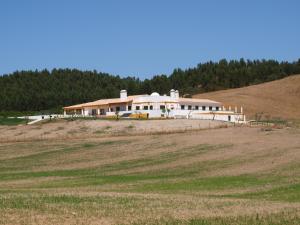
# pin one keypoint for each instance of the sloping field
(90, 127)
(235, 175)
(280, 98)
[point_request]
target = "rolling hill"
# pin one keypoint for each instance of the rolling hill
(230, 176)
(280, 98)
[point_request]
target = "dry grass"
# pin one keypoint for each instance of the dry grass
(237, 175)
(64, 129)
(278, 98)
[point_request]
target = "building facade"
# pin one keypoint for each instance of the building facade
(156, 106)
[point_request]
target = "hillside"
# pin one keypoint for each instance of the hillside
(280, 98)
(36, 91)
(82, 172)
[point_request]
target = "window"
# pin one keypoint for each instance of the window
(151, 107)
(102, 112)
(210, 108)
(162, 106)
(229, 118)
(111, 109)
(69, 112)
(196, 107)
(145, 107)
(182, 107)
(118, 108)
(203, 108)
(137, 107)
(189, 107)
(217, 108)
(129, 108)
(94, 112)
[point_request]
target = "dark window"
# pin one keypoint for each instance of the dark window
(203, 108)
(182, 106)
(118, 108)
(189, 107)
(129, 107)
(94, 112)
(69, 112)
(145, 107)
(217, 108)
(137, 107)
(229, 118)
(111, 109)
(196, 107)
(151, 107)
(102, 112)
(210, 108)
(162, 106)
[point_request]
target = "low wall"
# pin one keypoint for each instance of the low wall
(187, 114)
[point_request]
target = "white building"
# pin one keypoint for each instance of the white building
(156, 106)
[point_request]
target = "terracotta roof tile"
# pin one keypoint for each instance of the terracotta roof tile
(104, 102)
(196, 100)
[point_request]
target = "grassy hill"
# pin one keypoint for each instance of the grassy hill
(280, 98)
(235, 175)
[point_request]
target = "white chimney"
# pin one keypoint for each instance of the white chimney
(172, 93)
(123, 94)
(177, 94)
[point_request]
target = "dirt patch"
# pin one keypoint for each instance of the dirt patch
(62, 129)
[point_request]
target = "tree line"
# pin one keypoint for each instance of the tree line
(51, 90)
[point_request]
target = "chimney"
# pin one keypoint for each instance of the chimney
(172, 93)
(177, 94)
(123, 94)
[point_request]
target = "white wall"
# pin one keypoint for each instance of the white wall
(224, 116)
(176, 113)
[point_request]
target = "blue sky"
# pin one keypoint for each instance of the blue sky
(143, 38)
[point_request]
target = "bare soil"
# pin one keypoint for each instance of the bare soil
(62, 129)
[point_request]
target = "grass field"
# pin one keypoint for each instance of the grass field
(11, 121)
(235, 175)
